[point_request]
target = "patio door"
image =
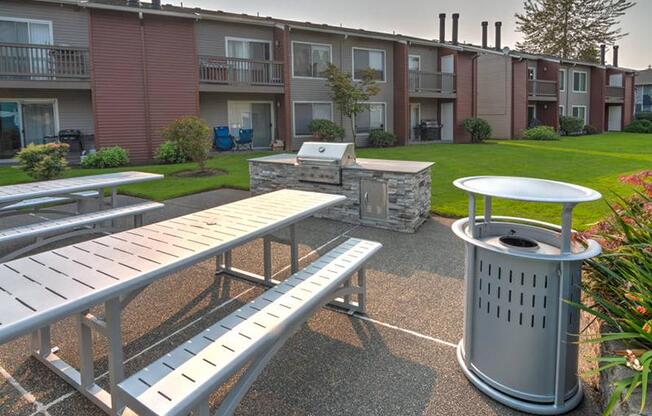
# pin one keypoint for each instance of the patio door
(447, 121)
(30, 32)
(252, 115)
(615, 118)
(415, 119)
(39, 121)
(10, 129)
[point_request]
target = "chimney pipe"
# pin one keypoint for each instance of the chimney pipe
(456, 18)
(484, 34)
(616, 55)
(603, 52)
(499, 46)
(156, 4)
(442, 27)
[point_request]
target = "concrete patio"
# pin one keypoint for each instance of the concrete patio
(398, 360)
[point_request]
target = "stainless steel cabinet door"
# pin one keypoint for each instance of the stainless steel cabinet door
(373, 195)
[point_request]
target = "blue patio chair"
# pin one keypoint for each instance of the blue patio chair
(245, 139)
(223, 140)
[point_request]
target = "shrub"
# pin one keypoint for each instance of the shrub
(540, 133)
(570, 125)
(193, 138)
(44, 161)
(326, 130)
(644, 115)
(478, 128)
(380, 138)
(589, 130)
(169, 152)
(620, 285)
(108, 157)
(639, 126)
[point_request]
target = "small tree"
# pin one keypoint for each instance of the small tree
(349, 95)
(44, 161)
(478, 128)
(193, 138)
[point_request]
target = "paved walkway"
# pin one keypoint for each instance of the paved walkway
(399, 360)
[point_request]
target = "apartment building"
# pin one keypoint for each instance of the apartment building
(516, 90)
(120, 70)
(643, 91)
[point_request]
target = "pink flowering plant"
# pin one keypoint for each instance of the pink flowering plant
(620, 285)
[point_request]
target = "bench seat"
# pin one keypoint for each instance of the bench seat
(183, 380)
(48, 200)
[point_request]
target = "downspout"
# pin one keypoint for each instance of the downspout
(148, 123)
(568, 92)
(474, 85)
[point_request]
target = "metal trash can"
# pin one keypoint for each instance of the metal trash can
(519, 333)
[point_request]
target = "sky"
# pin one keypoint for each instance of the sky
(419, 18)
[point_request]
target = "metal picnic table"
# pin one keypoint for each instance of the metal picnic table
(39, 290)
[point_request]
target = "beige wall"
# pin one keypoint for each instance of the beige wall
(494, 93)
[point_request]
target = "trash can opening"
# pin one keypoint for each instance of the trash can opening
(518, 242)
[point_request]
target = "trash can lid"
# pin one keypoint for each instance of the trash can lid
(527, 189)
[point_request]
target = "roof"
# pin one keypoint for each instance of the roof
(644, 77)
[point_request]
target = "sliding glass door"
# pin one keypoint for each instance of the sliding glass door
(25, 121)
(23, 31)
(252, 115)
(38, 122)
(10, 129)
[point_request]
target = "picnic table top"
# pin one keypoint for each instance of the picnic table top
(19, 192)
(43, 288)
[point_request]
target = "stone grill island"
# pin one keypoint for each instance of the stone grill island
(389, 194)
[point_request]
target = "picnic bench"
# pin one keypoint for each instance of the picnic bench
(46, 196)
(38, 290)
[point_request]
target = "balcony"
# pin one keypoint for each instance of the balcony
(431, 84)
(614, 94)
(43, 66)
(542, 90)
(219, 73)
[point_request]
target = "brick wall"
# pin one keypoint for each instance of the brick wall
(597, 113)
(628, 106)
(465, 94)
(282, 53)
(519, 98)
(401, 95)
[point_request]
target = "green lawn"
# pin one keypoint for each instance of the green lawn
(593, 161)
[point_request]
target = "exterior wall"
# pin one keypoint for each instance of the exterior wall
(597, 113)
(429, 108)
(213, 107)
(211, 35)
(519, 98)
(628, 106)
(429, 57)
(144, 76)
(568, 98)
(69, 23)
(401, 94)
(74, 106)
(494, 93)
(284, 122)
(464, 81)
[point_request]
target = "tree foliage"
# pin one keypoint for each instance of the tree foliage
(571, 29)
(192, 137)
(349, 95)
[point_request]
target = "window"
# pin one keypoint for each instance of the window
(373, 59)
(579, 81)
(562, 111)
(310, 60)
(304, 113)
(531, 113)
(532, 73)
(36, 32)
(579, 111)
(414, 63)
(248, 49)
(371, 119)
(562, 80)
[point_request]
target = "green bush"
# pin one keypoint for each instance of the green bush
(570, 125)
(381, 138)
(43, 161)
(326, 130)
(169, 152)
(478, 128)
(644, 115)
(540, 133)
(108, 157)
(589, 130)
(639, 126)
(192, 136)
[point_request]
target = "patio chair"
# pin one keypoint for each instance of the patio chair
(223, 141)
(245, 139)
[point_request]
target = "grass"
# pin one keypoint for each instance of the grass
(593, 161)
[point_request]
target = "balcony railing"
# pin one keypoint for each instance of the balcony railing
(542, 88)
(237, 71)
(43, 62)
(614, 92)
(438, 82)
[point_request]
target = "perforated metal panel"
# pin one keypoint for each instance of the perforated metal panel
(514, 318)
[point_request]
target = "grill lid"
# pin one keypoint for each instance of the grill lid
(341, 153)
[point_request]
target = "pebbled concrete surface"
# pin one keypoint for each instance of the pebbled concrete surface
(335, 364)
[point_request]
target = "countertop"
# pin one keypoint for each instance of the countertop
(384, 165)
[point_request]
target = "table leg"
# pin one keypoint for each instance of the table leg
(115, 353)
(40, 343)
(100, 199)
(114, 204)
(294, 250)
(87, 378)
(267, 260)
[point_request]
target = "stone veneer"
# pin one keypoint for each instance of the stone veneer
(408, 188)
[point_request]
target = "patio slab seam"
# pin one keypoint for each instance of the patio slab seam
(25, 395)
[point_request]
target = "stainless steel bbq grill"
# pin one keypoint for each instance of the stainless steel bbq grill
(322, 162)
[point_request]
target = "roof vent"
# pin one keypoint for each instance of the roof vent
(442, 27)
(456, 18)
(603, 52)
(484, 34)
(615, 49)
(498, 36)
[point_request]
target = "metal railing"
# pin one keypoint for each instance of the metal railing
(542, 88)
(43, 62)
(613, 91)
(223, 70)
(421, 81)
